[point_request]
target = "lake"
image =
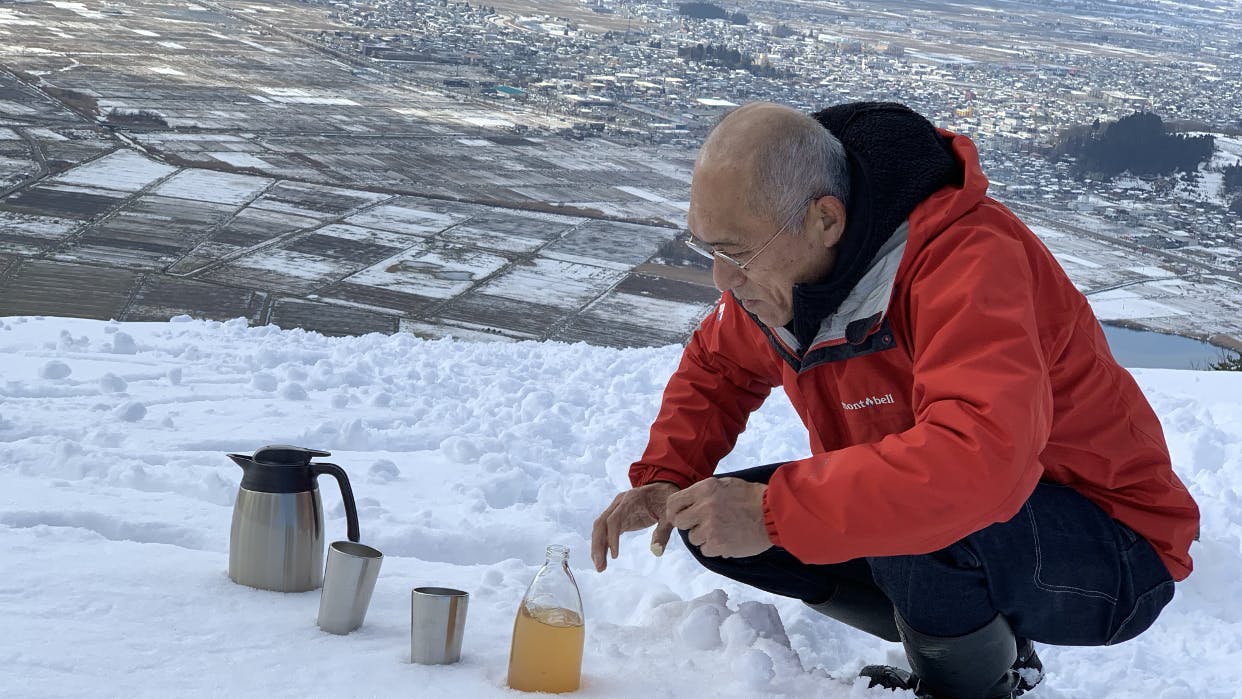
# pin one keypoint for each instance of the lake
(1141, 349)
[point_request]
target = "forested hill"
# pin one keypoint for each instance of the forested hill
(1138, 144)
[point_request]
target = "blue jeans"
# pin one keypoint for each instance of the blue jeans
(1061, 571)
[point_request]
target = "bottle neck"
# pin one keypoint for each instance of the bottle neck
(557, 554)
(554, 586)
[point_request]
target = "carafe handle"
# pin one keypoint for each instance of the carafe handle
(347, 494)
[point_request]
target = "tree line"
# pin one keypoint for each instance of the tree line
(1233, 187)
(1138, 144)
(1233, 178)
(733, 59)
(706, 10)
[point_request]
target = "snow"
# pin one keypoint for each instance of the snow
(297, 95)
(292, 263)
(13, 17)
(1067, 259)
(642, 193)
(1227, 151)
(488, 121)
(240, 159)
(367, 235)
(1151, 271)
(122, 170)
(404, 219)
(439, 273)
(209, 185)
(35, 226)
(559, 283)
(1123, 304)
(466, 459)
(46, 134)
(15, 109)
(78, 9)
(488, 239)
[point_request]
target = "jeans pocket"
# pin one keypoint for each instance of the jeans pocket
(1146, 609)
(1084, 563)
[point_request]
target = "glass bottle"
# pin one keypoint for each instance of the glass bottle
(548, 633)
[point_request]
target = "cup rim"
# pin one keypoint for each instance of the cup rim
(355, 549)
(439, 592)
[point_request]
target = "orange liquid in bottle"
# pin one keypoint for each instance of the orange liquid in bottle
(547, 650)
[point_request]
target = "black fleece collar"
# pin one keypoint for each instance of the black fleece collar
(896, 160)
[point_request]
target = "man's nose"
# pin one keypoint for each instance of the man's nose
(726, 276)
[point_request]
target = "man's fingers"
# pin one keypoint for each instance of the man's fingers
(598, 542)
(634, 509)
(677, 502)
(659, 537)
(687, 498)
(698, 537)
(599, 537)
(685, 518)
(616, 526)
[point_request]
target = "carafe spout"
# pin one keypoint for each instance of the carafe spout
(245, 462)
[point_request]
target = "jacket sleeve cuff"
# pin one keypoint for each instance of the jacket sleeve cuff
(769, 520)
(642, 474)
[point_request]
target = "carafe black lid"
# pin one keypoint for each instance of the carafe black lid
(279, 468)
(286, 455)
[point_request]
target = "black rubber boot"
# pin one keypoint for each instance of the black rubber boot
(1028, 666)
(977, 665)
(864, 608)
(889, 677)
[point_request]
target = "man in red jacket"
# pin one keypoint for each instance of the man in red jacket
(982, 473)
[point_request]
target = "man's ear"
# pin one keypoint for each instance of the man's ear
(829, 215)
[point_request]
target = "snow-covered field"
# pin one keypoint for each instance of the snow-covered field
(467, 459)
(209, 185)
(122, 170)
(1209, 186)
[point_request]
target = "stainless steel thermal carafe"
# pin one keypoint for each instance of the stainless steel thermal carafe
(277, 538)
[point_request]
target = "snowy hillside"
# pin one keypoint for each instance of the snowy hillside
(467, 460)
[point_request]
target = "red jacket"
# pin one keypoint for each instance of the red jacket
(987, 373)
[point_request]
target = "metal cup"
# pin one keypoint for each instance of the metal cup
(348, 581)
(437, 622)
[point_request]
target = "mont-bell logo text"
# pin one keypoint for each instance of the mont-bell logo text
(869, 401)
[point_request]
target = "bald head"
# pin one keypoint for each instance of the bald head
(744, 131)
(777, 155)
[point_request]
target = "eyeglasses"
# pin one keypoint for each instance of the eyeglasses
(713, 254)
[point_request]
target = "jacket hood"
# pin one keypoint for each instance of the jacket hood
(897, 159)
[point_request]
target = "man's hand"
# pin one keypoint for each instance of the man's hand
(724, 517)
(633, 509)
